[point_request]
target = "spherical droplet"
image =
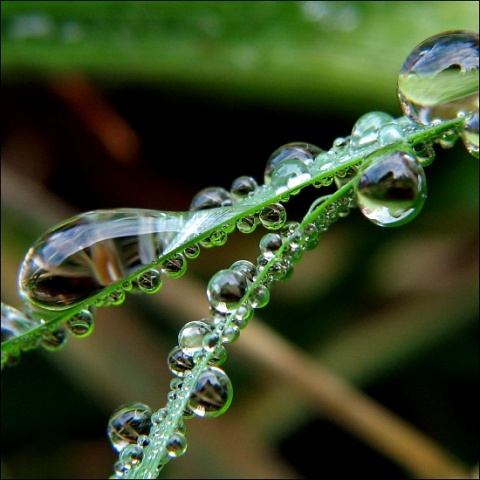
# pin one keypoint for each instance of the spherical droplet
(367, 128)
(212, 394)
(226, 289)
(425, 153)
(289, 174)
(176, 445)
(392, 190)
(127, 423)
(273, 216)
(131, 456)
(180, 362)
(55, 340)
(247, 224)
(269, 244)
(81, 324)
(175, 266)
(439, 79)
(191, 335)
(192, 251)
(14, 323)
(243, 186)
(211, 197)
(304, 153)
(469, 135)
(149, 282)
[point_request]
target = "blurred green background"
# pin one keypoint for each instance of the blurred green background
(142, 104)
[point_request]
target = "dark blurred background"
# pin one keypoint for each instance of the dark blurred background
(142, 104)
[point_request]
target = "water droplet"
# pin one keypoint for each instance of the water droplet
(392, 190)
(425, 153)
(304, 153)
(83, 255)
(367, 128)
(81, 324)
(149, 282)
(247, 224)
(269, 244)
(211, 197)
(175, 266)
(190, 337)
(245, 267)
(230, 334)
(243, 186)
(54, 340)
(131, 456)
(212, 394)
(179, 362)
(218, 238)
(226, 290)
(192, 251)
(390, 134)
(259, 297)
(273, 216)
(14, 323)
(289, 174)
(176, 445)
(439, 79)
(469, 135)
(128, 423)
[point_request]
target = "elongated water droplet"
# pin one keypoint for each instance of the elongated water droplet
(469, 135)
(212, 394)
(82, 256)
(81, 324)
(392, 191)
(226, 289)
(439, 79)
(127, 423)
(304, 153)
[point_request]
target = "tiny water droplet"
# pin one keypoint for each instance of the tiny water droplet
(212, 393)
(128, 423)
(81, 324)
(392, 190)
(226, 289)
(211, 197)
(439, 79)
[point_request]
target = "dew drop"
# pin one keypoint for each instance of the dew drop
(14, 323)
(425, 153)
(212, 393)
(247, 224)
(289, 174)
(259, 297)
(243, 186)
(302, 153)
(176, 445)
(81, 324)
(245, 267)
(131, 456)
(469, 135)
(128, 423)
(190, 337)
(211, 197)
(192, 251)
(273, 216)
(226, 289)
(179, 362)
(269, 244)
(392, 190)
(149, 282)
(175, 266)
(439, 79)
(367, 128)
(54, 340)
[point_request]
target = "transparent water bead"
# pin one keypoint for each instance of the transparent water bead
(226, 289)
(243, 186)
(469, 135)
(273, 216)
(190, 337)
(211, 197)
(289, 174)
(367, 128)
(302, 153)
(54, 340)
(131, 456)
(149, 281)
(212, 394)
(82, 256)
(127, 423)
(81, 324)
(392, 191)
(180, 362)
(176, 445)
(439, 79)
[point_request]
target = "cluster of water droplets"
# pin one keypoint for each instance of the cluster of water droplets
(94, 259)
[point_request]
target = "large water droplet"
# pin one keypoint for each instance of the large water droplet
(127, 423)
(226, 289)
(367, 128)
(392, 190)
(439, 79)
(304, 153)
(212, 394)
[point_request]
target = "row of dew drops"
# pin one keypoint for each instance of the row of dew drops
(438, 82)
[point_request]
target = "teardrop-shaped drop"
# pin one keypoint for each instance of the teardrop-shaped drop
(439, 79)
(212, 394)
(127, 423)
(392, 190)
